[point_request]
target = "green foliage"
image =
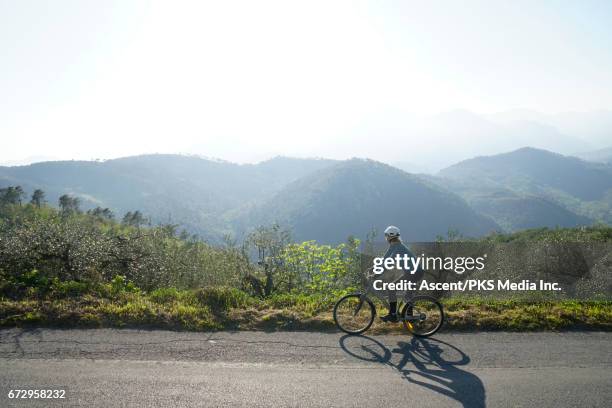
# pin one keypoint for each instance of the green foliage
(316, 268)
(119, 284)
(11, 195)
(309, 304)
(221, 299)
(225, 308)
(102, 213)
(38, 198)
(93, 248)
(524, 313)
(87, 269)
(135, 219)
(31, 284)
(69, 205)
(166, 295)
(269, 242)
(34, 279)
(70, 289)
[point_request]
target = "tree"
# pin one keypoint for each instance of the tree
(69, 205)
(38, 198)
(135, 219)
(100, 212)
(11, 195)
(320, 268)
(5, 196)
(19, 193)
(270, 243)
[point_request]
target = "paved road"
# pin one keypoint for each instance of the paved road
(252, 369)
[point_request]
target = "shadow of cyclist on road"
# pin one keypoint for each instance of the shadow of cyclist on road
(428, 363)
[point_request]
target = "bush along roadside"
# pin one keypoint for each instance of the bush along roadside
(73, 269)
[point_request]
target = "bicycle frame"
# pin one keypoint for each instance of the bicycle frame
(363, 296)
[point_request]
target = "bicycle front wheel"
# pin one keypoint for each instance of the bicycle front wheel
(354, 314)
(423, 316)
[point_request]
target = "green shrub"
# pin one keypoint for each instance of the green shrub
(7, 285)
(69, 288)
(306, 303)
(35, 280)
(166, 295)
(119, 284)
(221, 299)
(31, 284)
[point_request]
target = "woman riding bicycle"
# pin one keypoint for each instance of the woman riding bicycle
(396, 247)
(422, 315)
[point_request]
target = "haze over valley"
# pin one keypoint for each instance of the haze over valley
(328, 200)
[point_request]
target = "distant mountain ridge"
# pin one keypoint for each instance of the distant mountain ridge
(328, 200)
(529, 169)
(356, 196)
(547, 189)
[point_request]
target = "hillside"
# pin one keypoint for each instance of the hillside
(534, 187)
(327, 200)
(356, 196)
(320, 199)
(535, 170)
(514, 212)
(191, 191)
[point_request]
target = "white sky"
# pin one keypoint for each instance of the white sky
(247, 80)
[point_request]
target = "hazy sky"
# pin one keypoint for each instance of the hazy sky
(247, 80)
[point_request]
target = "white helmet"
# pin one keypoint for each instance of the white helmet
(392, 232)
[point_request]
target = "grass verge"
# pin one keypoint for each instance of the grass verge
(231, 309)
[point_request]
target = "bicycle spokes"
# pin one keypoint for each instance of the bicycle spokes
(423, 316)
(354, 314)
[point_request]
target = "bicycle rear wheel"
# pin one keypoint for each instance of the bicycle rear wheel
(354, 314)
(423, 316)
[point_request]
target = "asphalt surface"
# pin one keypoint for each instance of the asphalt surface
(105, 368)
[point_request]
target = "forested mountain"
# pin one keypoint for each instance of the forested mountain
(318, 199)
(532, 187)
(191, 191)
(535, 170)
(328, 200)
(355, 196)
(516, 212)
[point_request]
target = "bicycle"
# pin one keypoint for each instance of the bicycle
(422, 315)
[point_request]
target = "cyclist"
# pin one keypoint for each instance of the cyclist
(396, 247)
